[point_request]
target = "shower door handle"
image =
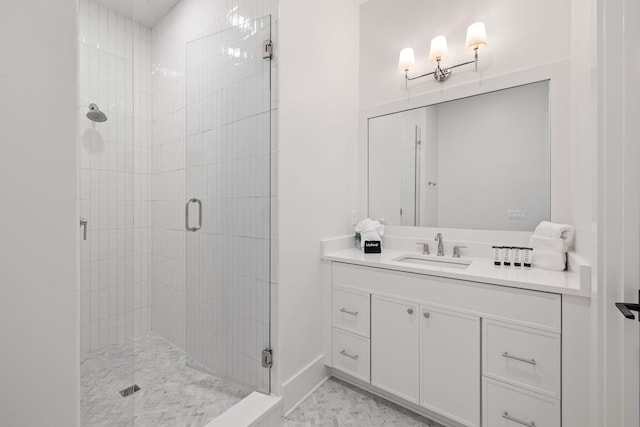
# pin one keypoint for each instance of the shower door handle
(186, 215)
(83, 224)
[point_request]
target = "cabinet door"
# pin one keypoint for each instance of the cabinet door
(450, 364)
(395, 347)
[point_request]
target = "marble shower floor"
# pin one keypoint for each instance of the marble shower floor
(336, 403)
(171, 394)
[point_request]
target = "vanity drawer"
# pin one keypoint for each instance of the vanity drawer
(509, 406)
(524, 357)
(351, 311)
(351, 354)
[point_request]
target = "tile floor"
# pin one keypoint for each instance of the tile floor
(175, 395)
(171, 394)
(336, 403)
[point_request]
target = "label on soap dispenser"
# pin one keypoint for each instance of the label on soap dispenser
(372, 247)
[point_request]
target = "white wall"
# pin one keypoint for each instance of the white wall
(39, 361)
(520, 34)
(317, 136)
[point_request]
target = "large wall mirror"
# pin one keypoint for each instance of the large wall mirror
(481, 162)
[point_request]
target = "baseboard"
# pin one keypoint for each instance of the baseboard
(297, 388)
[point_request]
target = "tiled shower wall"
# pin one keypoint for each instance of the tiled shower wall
(114, 65)
(189, 20)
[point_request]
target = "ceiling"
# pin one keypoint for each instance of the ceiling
(146, 12)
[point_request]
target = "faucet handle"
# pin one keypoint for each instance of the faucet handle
(425, 247)
(456, 251)
(438, 237)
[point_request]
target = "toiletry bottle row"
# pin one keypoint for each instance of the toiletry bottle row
(508, 255)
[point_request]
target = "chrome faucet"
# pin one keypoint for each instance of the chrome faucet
(439, 240)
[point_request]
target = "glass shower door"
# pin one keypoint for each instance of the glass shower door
(106, 199)
(228, 214)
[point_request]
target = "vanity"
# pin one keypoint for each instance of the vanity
(467, 345)
(458, 339)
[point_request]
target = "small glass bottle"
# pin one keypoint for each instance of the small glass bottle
(517, 257)
(496, 256)
(507, 256)
(527, 257)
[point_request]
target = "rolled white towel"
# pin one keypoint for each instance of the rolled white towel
(549, 260)
(544, 243)
(565, 232)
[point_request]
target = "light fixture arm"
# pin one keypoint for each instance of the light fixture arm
(442, 74)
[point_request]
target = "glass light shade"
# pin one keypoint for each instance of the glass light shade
(438, 49)
(407, 60)
(476, 36)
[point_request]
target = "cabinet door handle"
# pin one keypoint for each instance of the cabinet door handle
(521, 359)
(344, 310)
(351, 356)
(426, 314)
(410, 310)
(515, 420)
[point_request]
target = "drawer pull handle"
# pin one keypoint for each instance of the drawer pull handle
(344, 310)
(521, 359)
(351, 356)
(515, 420)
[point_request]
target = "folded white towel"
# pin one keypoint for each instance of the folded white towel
(544, 243)
(369, 224)
(565, 232)
(549, 260)
(369, 230)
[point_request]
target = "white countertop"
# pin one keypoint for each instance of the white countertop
(480, 270)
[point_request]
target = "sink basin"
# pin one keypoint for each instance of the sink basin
(448, 263)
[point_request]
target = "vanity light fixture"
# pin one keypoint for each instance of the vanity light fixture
(476, 40)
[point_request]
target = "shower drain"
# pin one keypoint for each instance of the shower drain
(129, 390)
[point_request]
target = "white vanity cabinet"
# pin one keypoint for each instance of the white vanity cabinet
(450, 364)
(395, 329)
(465, 353)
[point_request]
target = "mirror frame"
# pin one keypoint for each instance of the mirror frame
(557, 73)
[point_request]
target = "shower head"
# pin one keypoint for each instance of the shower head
(95, 115)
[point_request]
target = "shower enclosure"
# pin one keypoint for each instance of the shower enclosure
(175, 207)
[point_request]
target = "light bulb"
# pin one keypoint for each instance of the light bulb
(476, 36)
(407, 60)
(438, 50)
